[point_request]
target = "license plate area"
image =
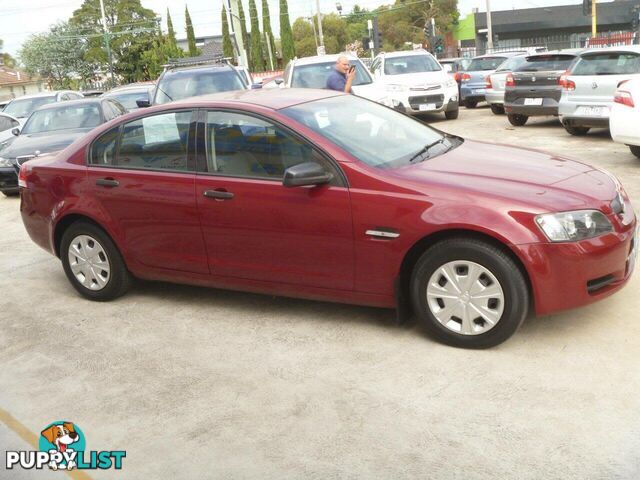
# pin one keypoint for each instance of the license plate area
(425, 107)
(533, 101)
(592, 111)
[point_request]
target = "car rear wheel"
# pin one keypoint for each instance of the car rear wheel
(92, 262)
(11, 193)
(470, 103)
(635, 149)
(517, 120)
(497, 109)
(578, 131)
(451, 115)
(468, 293)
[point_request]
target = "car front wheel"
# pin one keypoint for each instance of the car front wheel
(452, 114)
(497, 109)
(468, 293)
(470, 103)
(93, 263)
(578, 131)
(517, 120)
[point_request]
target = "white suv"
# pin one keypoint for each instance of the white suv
(312, 72)
(416, 83)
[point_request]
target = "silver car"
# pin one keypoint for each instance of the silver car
(589, 86)
(494, 93)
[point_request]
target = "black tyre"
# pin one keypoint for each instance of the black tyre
(452, 114)
(577, 131)
(635, 150)
(497, 109)
(11, 193)
(517, 120)
(93, 263)
(468, 293)
(470, 103)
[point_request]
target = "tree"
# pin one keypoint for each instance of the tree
(304, 38)
(227, 46)
(286, 36)
(191, 38)
(133, 30)
(243, 30)
(171, 32)
(257, 58)
(7, 59)
(268, 35)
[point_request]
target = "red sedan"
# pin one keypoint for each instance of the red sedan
(321, 195)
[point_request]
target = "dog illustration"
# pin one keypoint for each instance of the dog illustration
(61, 436)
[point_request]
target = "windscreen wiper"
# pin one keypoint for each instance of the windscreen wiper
(426, 149)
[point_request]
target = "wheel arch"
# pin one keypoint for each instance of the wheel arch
(418, 248)
(65, 222)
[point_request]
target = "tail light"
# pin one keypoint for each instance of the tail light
(565, 83)
(509, 81)
(456, 76)
(623, 98)
(22, 176)
(465, 77)
(487, 82)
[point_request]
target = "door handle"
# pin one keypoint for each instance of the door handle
(218, 194)
(107, 182)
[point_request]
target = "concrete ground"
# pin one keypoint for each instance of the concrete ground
(201, 383)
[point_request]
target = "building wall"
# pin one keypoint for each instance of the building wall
(466, 28)
(7, 92)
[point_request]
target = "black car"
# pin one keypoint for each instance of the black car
(534, 89)
(178, 82)
(52, 128)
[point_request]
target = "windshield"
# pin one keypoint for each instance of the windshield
(410, 64)
(485, 63)
(315, 75)
(186, 84)
(511, 64)
(546, 63)
(374, 134)
(64, 117)
(614, 63)
(128, 99)
(24, 108)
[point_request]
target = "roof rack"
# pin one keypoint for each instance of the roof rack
(193, 61)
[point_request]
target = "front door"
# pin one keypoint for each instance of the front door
(254, 227)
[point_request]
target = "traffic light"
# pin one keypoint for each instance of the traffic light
(365, 43)
(378, 40)
(377, 35)
(438, 44)
(428, 30)
(635, 17)
(586, 7)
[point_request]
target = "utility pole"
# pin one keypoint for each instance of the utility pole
(371, 42)
(107, 43)
(489, 28)
(594, 19)
(237, 32)
(321, 50)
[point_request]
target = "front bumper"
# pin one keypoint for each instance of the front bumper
(8, 180)
(573, 274)
(430, 101)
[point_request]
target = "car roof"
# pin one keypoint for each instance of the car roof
(405, 53)
(273, 98)
(129, 88)
(195, 68)
(80, 101)
(567, 51)
(622, 48)
(501, 54)
(50, 93)
(323, 58)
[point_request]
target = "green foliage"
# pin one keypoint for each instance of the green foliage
(304, 38)
(171, 33)
(243, 30)
(59, 56)
(7, 59)
(286, 36)
(191, 37)
(227, 46)
(257, 57)
(268, 35)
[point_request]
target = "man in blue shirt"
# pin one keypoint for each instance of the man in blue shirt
(342, 76)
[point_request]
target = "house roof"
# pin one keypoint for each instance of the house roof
(10, 77)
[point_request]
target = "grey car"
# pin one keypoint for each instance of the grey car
(474, 79)
(494, 93)
(589, 86)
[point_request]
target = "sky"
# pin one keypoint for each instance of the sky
(18, 20)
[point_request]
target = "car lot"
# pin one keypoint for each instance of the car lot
(216, 384)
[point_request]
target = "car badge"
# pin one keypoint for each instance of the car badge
(533, 79)
(594, 85)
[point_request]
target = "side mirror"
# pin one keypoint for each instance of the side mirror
(305, 174)
(15, 131)
(278, 80)
(256, 85)
(143, 103)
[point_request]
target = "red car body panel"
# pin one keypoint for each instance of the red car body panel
(312, 242)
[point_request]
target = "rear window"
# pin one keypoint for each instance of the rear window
(612, 63)
(315, 75)
(410, 64)
(485, 63)
(187, 84)
(511, 64)
(546, 63)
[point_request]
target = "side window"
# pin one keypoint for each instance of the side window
(118, 108)
(375, 65)
(107, 111)
(64, 97)
(5, 124)
(244, 146)
(103, 151)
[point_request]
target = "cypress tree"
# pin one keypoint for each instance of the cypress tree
(257, 59)
(243, 30)
(191, 38)
(227, 46)
(268, 34)
(172, 33)
(286, 35)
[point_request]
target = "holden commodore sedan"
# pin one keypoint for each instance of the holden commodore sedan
(321, 195)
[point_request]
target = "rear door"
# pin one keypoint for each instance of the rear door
(597, 75)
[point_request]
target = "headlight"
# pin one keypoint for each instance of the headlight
(573, 226)
(397, 88)
(4, 162)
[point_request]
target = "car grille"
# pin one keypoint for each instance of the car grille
(415, 102)
(425, 88)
